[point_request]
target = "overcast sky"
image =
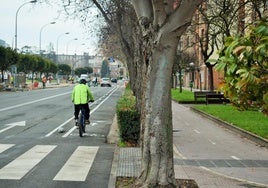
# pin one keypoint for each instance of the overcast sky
(31, 18)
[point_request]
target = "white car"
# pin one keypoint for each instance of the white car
(84, 76)
(105, 82)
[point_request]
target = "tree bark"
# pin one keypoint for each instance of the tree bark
(161, 37)
(157, 148)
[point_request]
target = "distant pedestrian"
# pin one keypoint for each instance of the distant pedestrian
(44, 81)
(96, 82)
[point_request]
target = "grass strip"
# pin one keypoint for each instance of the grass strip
(252, 121)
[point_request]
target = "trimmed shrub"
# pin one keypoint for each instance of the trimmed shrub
(128, 117)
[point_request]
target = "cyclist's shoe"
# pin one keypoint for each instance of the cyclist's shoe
(87, 122)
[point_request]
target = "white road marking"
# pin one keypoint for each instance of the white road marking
(11, 125)
(4, 147)
(196, 131)
(177, 154)
(186, 123)
(214, 143)
(7, 128)
(93, 124)
(78, 165)
(24, 163)
(234, 157)
(35, 101)
(49, 134)
(69, 132)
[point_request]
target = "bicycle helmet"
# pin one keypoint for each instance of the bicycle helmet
(83, 81)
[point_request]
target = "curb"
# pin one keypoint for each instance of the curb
(113, 138)
(112, 179)
(255, 138)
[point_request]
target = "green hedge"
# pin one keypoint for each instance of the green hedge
(128, 117)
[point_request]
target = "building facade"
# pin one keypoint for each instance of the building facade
(211, 25)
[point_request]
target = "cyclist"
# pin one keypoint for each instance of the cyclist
(81, 95)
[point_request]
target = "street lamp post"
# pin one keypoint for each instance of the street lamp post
(75, 62)
(67, 33)
(16, 36)
(40, 36)
(68, 44)
(57, 55)
(198, 80)
(16, 22)
(78, 46)
(192, 65)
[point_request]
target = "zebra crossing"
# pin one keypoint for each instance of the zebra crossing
(76, 168)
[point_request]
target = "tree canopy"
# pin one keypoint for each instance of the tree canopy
(83, 70)
(64, 69)
(8, 57)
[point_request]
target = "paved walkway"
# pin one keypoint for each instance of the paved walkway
(127, 163)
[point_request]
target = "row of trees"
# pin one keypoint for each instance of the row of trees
(27, 63)
(33, 64)
(8, 57)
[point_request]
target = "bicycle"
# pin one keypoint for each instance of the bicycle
(81, 120)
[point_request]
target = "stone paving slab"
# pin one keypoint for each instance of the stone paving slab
(129, 165)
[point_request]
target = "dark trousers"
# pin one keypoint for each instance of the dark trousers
(77, 108)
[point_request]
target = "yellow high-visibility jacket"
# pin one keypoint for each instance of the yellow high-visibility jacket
(81, 94)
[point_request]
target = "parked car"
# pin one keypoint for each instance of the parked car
(105, 82)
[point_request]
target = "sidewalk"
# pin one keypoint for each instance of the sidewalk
(127, 163)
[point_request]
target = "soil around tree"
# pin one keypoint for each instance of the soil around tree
(129, 182)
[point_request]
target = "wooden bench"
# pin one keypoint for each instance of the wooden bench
(202, 94)
(217, 96)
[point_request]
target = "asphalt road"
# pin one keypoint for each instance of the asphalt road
(34, 154)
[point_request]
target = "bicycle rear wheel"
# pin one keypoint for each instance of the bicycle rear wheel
(81, 123)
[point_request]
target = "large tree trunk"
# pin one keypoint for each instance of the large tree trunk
(162, 25)
(157, 148)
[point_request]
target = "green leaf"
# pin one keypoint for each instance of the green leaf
(220, 66)
(212, 60)
(232, 68)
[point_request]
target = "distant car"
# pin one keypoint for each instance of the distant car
(114, 80)
(105, 82)
(84, 76)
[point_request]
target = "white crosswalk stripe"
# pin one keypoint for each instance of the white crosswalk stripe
(23, 164)
(78, 165)
(76, 168)
(4, 147)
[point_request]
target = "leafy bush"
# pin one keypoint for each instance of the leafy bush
(244, 60)
(128, 117)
